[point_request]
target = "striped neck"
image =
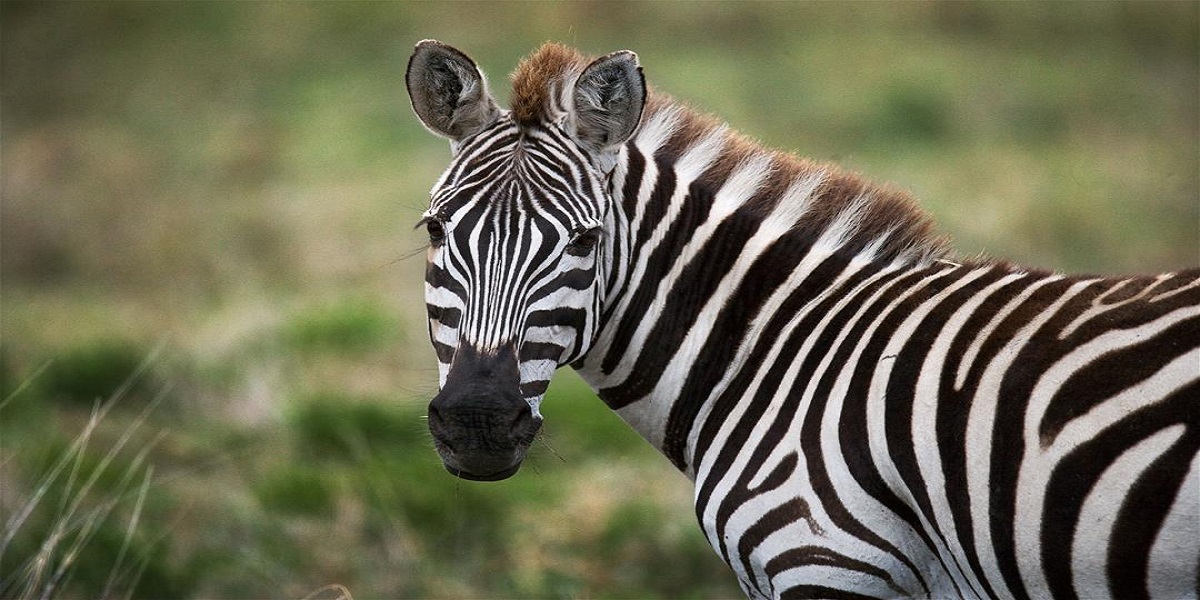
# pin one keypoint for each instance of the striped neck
(707, 228)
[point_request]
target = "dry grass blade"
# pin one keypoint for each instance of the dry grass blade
(129, 531)
(24, 385)
(79, 514)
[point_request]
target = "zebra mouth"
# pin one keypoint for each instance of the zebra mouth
(497, 476)
(478, 459)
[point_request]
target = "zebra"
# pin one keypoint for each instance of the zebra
(863, 413)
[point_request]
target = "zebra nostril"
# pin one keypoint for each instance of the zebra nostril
(525, 426)
(434, 415)
(522, 419)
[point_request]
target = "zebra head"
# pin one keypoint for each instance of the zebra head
(520, 227)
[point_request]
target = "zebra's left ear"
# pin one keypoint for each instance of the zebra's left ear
(607, 102)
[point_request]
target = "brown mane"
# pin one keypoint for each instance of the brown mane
(890, 214)
(537, 78)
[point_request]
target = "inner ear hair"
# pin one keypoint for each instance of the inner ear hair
(448, 91)
(608, 99)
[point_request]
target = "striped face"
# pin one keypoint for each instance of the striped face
(517, 240)
(515, 231)
(511, 285)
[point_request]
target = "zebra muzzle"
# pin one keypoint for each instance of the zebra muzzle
(481, 424)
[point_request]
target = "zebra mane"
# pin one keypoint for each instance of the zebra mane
(539, 78)
(838, 206)
(825, 200)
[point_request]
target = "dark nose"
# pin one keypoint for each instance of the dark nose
(481, 424)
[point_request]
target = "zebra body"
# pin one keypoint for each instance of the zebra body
(862, 417)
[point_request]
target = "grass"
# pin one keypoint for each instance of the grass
(235, 184)
(77, 530)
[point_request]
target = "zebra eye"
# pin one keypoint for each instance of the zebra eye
(437, 231)
(583, 242)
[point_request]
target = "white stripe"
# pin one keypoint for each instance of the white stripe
(1176, 544)
(980, 425)
(1195, 283)
(924, 425)
(441, 297)
(968, 359)
(691, 165)
(1179, 372)
(1098, 515)
(1099, 306)
(876, 409)
(651, 415)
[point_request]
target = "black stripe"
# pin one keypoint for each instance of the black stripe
(1144, 507)
(901, 396)
(568, 317)
(820, 592)
(954, 409)
(852, 422)
(773, 520)
(816, 555)
(656, 208)
(635, 169)
(444, 353)
(1149, 501)
(768, 272)
(1007, 444)
(817, 282)
(695, 286)
(1112, 373)
(811, 433)
(446, 315)
(540, 351)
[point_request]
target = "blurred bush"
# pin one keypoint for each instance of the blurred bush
(333, 427)
(296, 491)
(87, 374)
(351, 327)
(913, 113)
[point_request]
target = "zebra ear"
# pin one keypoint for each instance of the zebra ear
(448, 92)
(607, 101)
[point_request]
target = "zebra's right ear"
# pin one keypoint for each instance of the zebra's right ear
(607, 101)
(448, 92)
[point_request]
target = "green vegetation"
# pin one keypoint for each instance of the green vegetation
(213, 359)
(88, 374)
(352, 328)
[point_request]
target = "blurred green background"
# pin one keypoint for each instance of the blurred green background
(207, 215)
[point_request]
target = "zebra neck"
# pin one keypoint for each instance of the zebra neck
(700, 341)
(709, 233)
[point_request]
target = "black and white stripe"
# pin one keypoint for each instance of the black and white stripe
(863, 415)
